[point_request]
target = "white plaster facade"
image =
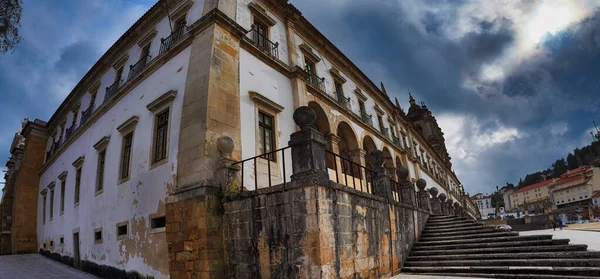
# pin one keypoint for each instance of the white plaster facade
(484, 203)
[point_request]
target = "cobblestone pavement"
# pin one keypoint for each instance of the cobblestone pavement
(35, 266)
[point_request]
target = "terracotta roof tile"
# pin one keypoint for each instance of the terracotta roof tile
(533, 186)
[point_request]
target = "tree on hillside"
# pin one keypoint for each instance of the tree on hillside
(10, 21)
(559, 167)
(572, 162)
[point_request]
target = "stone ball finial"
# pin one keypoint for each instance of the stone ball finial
(402, 173)
(304, 117)
(376, 158)
(421, 184)
(225, 145)
(456, 205)
(433, 191)
(450, 202)
(442, 197)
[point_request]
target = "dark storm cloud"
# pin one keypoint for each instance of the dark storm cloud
(77, 58)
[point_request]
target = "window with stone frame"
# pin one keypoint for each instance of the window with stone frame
(260, 36)
(361, 106)
(100, 170)
(126, 155)
(311, 69)
(119, 75)
(51, 203)
(44, 203)
(266, 135)
(63, 185)
(161, 136)
(77, 186)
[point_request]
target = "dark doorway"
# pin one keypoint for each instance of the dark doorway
(76, 261)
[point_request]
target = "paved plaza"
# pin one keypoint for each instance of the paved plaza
(576, 234)
(35, 266)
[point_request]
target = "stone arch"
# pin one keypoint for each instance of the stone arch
(349, 149)
(322, 123)
(398, 162)
(388, 160)
(368, 144)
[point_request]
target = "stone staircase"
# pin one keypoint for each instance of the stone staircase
(456, 246)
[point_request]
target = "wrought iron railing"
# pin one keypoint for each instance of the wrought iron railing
(176, 36)
(112, 90)
(385, 131)
(343, 100)
(263, 43)
(366, 117)
(138, 67)
(316, 81)
(69, 132)
(352, 173)
(268, 157)
(85, 115)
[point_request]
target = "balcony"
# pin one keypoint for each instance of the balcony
(263, 43)
(112, 90)
(385, 132)
(176, 36)
(85, 115)
(316, 81)
(137, 67)
(69, 132)
(342, 100)
(396, 141)
(367, 118)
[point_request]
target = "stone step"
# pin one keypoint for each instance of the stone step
(516, 270)
(510, 262)
(461, 228)
(449, 219)
(538, 255)
(449, 222)
(463, 232)
(492, 250)
(482, 239)
(439, 238)
(493, 275)
(494, 244)
(470, 224)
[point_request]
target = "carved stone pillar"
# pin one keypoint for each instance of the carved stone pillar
(406, 188)
(449, 207)
(381, 179)
(435, 202)
(457, 209)
(228, 175)
(444, 209)
(308, 150)
(423, 195)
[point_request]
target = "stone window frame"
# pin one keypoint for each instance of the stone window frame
(128, 127)
(61, 240)
(119, 65)
(180, 11)
(101, 239)
(44, 203)
(271, 108)
(159, 229)
(51, 186)
(100, 147)
(258, 13)
(77, 186)
(157, 107)
(63, 185)
(123, 236)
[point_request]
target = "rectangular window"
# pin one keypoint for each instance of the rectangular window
(339, 88)
(161, 136)
(100, 171)
(145, 51)
(126, 156)
(380, 120)
(51, 203)
(62, 241)
(44, 210)
(261, 35)
(180, 23)
(62, 195)
(122, 230)
(98, 235)
(265, 135)
(312, 74)
(119, 74)
(74, 118)
(77, 185)
(93, 100)
(361, 106)
(158, 222)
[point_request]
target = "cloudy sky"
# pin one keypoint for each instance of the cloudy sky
(513, 84)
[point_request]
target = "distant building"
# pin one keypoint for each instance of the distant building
(534, 198)
(484, 203)
(506, 198)
(573, 191)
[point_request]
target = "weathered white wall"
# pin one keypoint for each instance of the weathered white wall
(134, 200)
(261, 78)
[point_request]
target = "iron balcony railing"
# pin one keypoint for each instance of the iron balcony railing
(316, 81)
(137, 67)
(176, 36)
(69, 132)
(366, 117)
(342, 100)
(352, 174)
(112, 90)
(254, 167)
(396, 141)
(85, 115)
(263, 43)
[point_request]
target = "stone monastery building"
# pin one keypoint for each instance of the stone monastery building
(128, 173)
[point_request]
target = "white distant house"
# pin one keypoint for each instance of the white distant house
(484, 203)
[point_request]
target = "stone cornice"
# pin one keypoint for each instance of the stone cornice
(261, 14)
(335, 73)
(308, 52)
(161, 101)
(258, 98)
(128, 125)
(79, 162)
(102, 143)
(62, 175)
